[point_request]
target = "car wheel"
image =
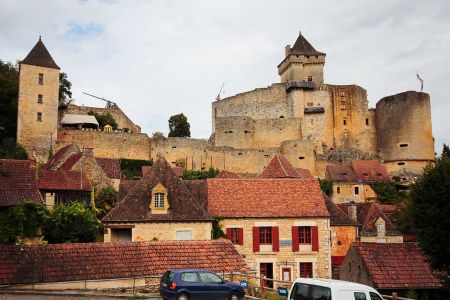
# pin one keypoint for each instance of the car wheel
(233, 296)
(182, 296)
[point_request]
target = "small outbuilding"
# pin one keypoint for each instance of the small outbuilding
(79, 121)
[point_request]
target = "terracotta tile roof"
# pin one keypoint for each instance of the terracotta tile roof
(340, 174)
(265, 198)
(337, 216)
(305, 173)
(227, 174)
(178, 171)
(124, 187)
(71, 161)
(39, 56)
(135, 205)
(280, 167)
(71, 262)
(396, 266)
(17, 182)
(303, 47)
(359, 171)
(58, 161)
(58, 180)
(111, 166)
(198, 190)
(367, 215)
(370, 170)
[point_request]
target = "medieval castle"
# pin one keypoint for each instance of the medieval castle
(311, 123)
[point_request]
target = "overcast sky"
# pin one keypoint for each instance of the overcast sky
(163, 57)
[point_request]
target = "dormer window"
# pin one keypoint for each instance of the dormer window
(159, 203)
(159, 200)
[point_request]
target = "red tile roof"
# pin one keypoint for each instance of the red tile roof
(243, 198)
(135, 206)
(111, 166)
(359, 171)
(58, 180)
(337, 216)
(305, 173)
(370, 170)
(61, 156)
(67, 262)
(227, 174)
(71, 161)
(17, 182)
(124, 187)
(178, 171)
(279, 167)
(396, 266)
(367, 215)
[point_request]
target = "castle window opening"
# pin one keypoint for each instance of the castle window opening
(301, 157)
(173, 147)
(403, 145)
(246, 131)
(39, 117)
(342, 94)
(356, 190)
(338, 190)
(312, 121)
(240, 153)
(41, 78)
(309, 104)
(402, 163)
(309, 78)
(281, 117)
(40, 99)
(367, 122)
(345, 122)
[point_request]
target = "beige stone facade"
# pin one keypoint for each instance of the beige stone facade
(285, 258)
(344, 192)
(163, 231)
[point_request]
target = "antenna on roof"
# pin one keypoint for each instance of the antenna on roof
(109, 103)
(220, 92)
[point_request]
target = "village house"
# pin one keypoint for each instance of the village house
(390, 268)
(278, 222)
(352, 183)
(160, 206)
(373, 224)
(17, 182)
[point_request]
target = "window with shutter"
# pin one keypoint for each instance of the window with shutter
(314, 238)
(255, 239)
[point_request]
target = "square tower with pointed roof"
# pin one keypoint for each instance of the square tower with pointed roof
(38, 102)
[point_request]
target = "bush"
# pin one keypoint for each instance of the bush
(72, 223)
(105, 200)
(196, 174)
(132, 168)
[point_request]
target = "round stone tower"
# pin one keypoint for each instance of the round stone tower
(404, 134)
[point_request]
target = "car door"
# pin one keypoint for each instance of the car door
(190, 282)
(215, 286)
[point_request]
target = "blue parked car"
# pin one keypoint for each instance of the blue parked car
(197, 284)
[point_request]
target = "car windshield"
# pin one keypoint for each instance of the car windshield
(207, 277)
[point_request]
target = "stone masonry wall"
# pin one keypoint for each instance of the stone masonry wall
(108, 144)
(285, 257)
(341, 239)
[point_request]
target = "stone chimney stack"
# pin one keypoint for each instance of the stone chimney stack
(352, 211)
(287, 50)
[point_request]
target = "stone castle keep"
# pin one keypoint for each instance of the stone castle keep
(311, 123)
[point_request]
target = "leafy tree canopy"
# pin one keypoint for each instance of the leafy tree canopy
(65, 95)
(158, 135)
(104, 119)
(72, 223)
(197, 174)
(387, 193)
(9, 91)
(105, 200)
(10, 149)
(326, 186)
(179, 126)
(132, 168)
(430, 211)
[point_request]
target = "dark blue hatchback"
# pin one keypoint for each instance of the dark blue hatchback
(196, 284)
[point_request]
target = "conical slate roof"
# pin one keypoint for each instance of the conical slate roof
(303, 47)
(39, 56)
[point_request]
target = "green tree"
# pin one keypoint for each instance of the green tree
(158, 135)
(132, 168)
(104, 119)
(430, 212)
(105, 200)
(387, 193)
(65, 95)
(197, 174)
(9, 91)
(10, 149)
(72, 223)
(326, 186)
(22, 220)
(179, 126)
(217, 231)
(446, 151)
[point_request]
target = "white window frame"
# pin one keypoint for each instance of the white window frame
(159, 199)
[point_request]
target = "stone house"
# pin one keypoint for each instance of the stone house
(111, 265)
(160, 206)
(344, 232)
(17, 182)
(373, 224)
(278, 222)
(352, 183)
(390, 268)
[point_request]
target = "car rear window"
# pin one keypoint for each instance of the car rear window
(374, 296)
(360, 296)
(302, 291)
(189, 277)
(168, 276)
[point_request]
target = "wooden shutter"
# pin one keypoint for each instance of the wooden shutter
(229, 233)
(241, 236)
(295, 240)
(275, 239)
(315, 238)
(255, 239)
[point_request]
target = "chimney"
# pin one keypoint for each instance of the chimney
(145, 170)
(88, 151)
(352, 211)
(287, 50)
